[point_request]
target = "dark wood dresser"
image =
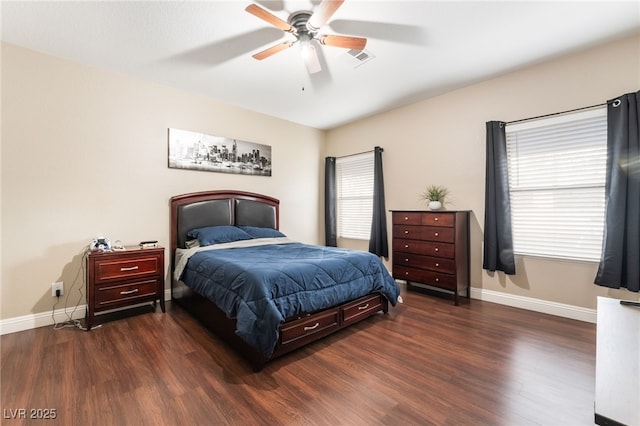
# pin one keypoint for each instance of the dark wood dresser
(432, 248)
(118, 279)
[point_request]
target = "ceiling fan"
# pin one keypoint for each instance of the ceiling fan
(304, 25)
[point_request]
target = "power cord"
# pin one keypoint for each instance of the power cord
(71, 322)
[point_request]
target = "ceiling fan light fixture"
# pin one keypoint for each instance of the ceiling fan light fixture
(304, 25)
(310, 57)
(305, 49)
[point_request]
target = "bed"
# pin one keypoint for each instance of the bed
(261, 292)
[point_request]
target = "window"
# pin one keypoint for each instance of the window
(557, 171)
(354, 181)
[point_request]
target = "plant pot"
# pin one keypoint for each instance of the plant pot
(435, 205)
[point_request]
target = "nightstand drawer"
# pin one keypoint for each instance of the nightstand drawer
(310, 325)
(125, 292)
(126, 268)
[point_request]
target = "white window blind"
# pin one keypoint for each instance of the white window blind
(557, 169)
(354, 181)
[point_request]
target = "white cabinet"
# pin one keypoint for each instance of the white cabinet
(617, 363)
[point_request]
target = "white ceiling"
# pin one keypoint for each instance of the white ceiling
(420, 48)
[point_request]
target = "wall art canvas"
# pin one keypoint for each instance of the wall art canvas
(198, 151)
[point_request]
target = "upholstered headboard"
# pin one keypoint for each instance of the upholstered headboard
(213, 208)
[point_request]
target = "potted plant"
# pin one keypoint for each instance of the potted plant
(435, 196)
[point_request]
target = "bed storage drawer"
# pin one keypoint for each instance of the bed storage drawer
(354, 312)
(297, 332)
(309, 326)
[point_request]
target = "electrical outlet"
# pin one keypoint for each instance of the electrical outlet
(57, 286)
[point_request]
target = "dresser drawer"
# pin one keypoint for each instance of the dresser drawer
(439, 219)
(307, 326)
(353, 312)
(407, 218)
(429, 233)
(428, 248)
(438, 264)
(424, 218)
(424, 276)
(107, 295)
(110, 269)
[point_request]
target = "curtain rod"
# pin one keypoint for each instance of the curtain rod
(360, 153)
(555, 113)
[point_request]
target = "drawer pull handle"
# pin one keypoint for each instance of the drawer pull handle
(406, 246)
(406, 218)
(437, 279)
(437, 264)
(133, 268)
(362, 308)
(436, 234)
(406, 273)
(435, 219)
(406, 260)
(437, 249)
(135, 290)
(313, 327)
(406, 232)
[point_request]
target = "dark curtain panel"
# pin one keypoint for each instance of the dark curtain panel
(378, 243)
(620, 262)
(498, 241)
(330, 223)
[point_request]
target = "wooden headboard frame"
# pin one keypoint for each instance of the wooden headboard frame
(213, 208)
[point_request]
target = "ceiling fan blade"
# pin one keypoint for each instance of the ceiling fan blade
(400, 33)
(356, 43)
(322, 14)
(259, 12)
(273, 50)
(224, 50)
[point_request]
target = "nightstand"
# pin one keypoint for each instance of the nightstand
(118, 279)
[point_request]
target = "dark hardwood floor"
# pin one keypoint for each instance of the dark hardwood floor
(426, 362)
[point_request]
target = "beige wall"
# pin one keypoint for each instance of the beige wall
(84, 153)
(442, 141)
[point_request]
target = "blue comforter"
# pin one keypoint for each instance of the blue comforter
(262, 286)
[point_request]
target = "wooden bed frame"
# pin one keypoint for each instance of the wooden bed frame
(213, 208)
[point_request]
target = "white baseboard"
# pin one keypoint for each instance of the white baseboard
(537, 305)
(43, 319)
